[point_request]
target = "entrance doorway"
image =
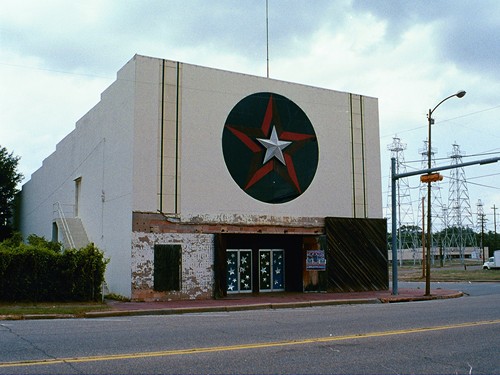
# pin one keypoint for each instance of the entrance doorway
(258, 263)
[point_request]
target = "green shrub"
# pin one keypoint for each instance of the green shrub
(41, 271)
(41, 242)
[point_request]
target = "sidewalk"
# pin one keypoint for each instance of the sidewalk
(267, 301)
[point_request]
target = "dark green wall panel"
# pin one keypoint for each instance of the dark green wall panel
(356, 254)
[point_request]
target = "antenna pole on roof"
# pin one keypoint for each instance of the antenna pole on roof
(267, 35)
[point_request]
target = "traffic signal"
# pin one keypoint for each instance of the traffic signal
(431, 177)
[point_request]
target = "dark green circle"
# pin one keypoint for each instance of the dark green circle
(244, 155)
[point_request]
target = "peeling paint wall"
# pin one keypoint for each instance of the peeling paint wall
(197, 278)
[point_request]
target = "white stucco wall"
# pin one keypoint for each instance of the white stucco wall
(208, 95)
(146, 133)
(206, 190)
(100, 152)
(372, 159)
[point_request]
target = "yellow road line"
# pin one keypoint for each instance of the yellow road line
(260, 345)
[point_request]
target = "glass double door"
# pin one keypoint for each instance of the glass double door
(270, 268)
(239, 271)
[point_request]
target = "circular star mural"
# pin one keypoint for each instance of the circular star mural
(270, 147)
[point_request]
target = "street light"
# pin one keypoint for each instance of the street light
(459, 94)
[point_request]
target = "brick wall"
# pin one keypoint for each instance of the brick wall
(197, 277)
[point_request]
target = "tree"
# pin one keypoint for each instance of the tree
(491, 240)
(9, 179)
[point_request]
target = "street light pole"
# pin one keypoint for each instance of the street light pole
(459, 94)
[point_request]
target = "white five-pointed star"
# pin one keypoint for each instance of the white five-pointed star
(274, 147)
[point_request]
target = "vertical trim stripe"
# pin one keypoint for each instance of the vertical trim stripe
(358, 157)
(352, 159)
(177, 140)
(363, 154)
(162, 130)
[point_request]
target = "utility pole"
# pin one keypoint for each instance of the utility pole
(435, 196)
(482, 236)
(481, 220)
(495, 228)
(423, 238)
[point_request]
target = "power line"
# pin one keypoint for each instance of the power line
(463, 156)
(471, 114)
(446, 120)
(55, 71)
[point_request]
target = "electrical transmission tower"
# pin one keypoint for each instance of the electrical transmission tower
(438, 213)
(407, 231)
(460, 215)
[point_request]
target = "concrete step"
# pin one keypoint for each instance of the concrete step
(77, 231)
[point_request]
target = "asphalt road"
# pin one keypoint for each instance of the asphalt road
(454, 336)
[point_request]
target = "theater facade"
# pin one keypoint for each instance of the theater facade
(201, 183)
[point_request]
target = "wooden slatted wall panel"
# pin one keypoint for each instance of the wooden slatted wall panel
(356, 254)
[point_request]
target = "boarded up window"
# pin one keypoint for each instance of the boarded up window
(167, 268)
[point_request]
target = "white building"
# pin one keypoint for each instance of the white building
(198, 182)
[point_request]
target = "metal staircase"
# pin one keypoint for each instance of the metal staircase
(71, 232)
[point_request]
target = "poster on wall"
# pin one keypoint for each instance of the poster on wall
(315, 260)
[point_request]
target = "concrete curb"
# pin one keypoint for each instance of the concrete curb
(259, 306)
(395, 299)
(229, 308)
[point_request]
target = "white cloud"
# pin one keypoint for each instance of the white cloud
(40, 107)
(58, 56)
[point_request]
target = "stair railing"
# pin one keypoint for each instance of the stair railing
(65, 226)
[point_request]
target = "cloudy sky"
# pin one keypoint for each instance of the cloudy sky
(57, 56)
